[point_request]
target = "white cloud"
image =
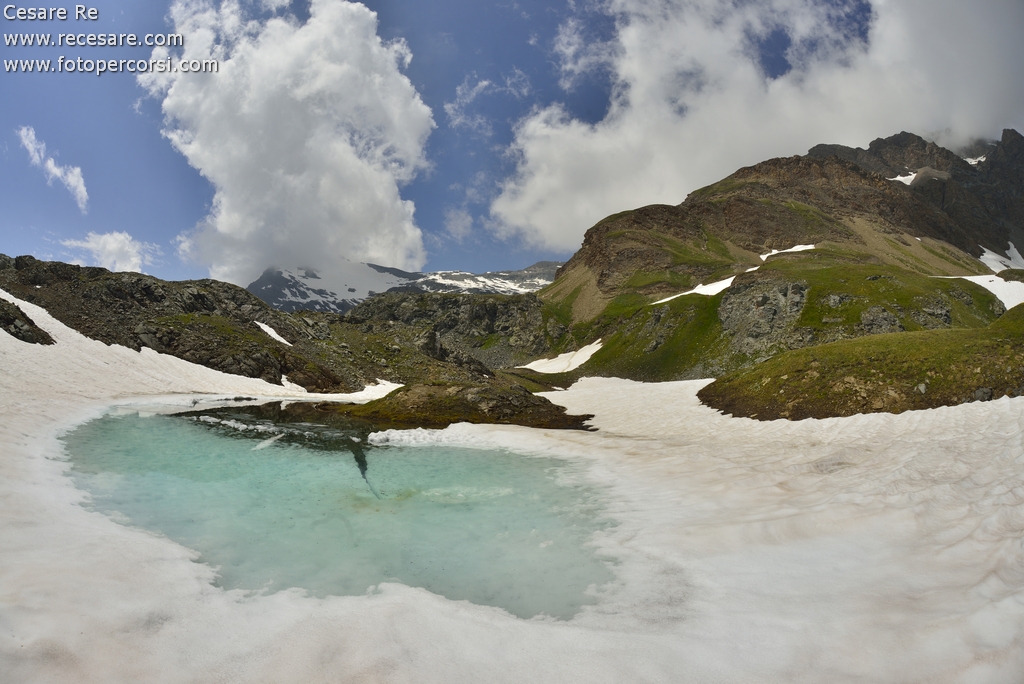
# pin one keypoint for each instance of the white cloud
(116, 251)
(458, 223)
(306, 132)
(70, 176)
(464, 96)
(691, 104)
(517, 84)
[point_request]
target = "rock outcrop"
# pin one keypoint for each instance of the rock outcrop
(14, 321)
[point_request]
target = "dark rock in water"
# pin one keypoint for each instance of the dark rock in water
(15, 322)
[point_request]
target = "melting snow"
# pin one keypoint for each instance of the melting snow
(908, 179)
(974, 161)
(721, 285)
(708, 290)
(565, 362)
(881, 548)
(798, 248)
(1009, 292)
(273, 333)
(997, 262)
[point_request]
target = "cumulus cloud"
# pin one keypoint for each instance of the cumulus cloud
(70, 176)
(692, 100)
(117, 251)
(306, 132)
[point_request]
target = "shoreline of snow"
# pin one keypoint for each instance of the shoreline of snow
(872, 548)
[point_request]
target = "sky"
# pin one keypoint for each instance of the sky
(456, 134)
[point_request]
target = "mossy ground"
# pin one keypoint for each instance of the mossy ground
(684, 338)
(864, 285)
(893, 372)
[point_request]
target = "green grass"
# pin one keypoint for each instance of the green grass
(879, 373)
(720, 188)
(687, 331)
(953, 258)
(1012, 274)
(892, 288)
(809, 215)
(642, 279)
(222, 327)
(715, 257)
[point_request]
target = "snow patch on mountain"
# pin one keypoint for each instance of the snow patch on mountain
(566, 362)
(273, 333)
(999, 262)
(797, 248)
(707, 290)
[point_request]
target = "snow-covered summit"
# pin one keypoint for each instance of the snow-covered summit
(339, 291)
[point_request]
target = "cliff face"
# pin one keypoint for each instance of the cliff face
(984, 199)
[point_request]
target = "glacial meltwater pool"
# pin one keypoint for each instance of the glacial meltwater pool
(277, 505)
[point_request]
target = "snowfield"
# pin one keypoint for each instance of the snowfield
(876, 548)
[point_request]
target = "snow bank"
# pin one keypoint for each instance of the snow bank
(709, 289)
(722, 285)
(876, 548)
(273, 333)
(997, 262)
(565, 362)
(1010, 292)
(908, 179)
(798, 248)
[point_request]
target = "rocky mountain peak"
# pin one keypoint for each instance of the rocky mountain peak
(897, 155)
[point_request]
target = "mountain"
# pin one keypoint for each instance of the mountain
(842, 281)
(801, 253)
(221, 326)
(312, 290)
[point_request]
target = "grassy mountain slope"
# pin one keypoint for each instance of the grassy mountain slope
(884, 261)
(893, 372)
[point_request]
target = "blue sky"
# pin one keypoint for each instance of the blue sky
(459, 134)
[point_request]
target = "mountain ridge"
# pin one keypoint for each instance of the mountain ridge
(317, 290)
(782, 265)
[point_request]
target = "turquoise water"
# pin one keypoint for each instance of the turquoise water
(492, 527)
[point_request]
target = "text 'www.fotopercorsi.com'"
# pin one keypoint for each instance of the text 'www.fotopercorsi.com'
(29, 42)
